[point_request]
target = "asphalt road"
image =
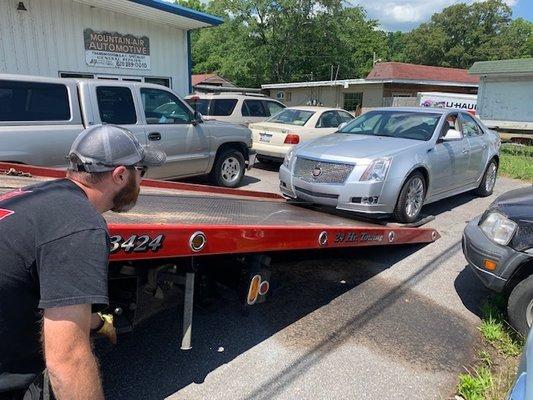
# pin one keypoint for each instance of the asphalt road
(377, 323)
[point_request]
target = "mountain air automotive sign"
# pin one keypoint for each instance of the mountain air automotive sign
(116, 50)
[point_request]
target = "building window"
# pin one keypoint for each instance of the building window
(353, 101)
(116, 105)
(158, 81)
(30, 101)
(403, 95)
(75, 75)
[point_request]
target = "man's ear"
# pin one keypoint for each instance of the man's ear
(120, 175)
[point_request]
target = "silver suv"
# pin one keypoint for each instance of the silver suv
(238, 108)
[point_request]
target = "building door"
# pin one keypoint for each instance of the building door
(353, 102)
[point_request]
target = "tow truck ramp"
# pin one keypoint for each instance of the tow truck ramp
(175, 228)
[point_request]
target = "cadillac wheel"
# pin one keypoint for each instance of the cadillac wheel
(228, 169)
(411, 198)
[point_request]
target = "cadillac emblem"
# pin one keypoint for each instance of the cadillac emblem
(316, 172)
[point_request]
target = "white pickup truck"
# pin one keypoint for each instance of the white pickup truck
(41, 117)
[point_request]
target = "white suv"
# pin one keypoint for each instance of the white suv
(237, 108)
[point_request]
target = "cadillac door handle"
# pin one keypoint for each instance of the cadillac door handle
(154, 136)
(465, 151)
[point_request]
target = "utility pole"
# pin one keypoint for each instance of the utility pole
(375, 60)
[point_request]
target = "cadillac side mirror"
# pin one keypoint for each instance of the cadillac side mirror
(342, 125)
(452, 134)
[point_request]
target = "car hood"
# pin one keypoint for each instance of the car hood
(516, 204)
(347, 147)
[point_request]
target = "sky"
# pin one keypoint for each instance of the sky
(404, 15)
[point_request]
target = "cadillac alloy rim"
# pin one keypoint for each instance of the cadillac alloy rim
(231, 169)
(491, 177)
(415, 196)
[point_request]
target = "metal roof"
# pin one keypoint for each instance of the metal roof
(347, 82)
(503, 67)
(158, 11)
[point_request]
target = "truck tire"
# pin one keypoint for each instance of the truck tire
(411, 198)
(228, 169)
(489, 179)
(520, 306)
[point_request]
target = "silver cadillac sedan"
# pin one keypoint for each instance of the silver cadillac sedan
(392, 161)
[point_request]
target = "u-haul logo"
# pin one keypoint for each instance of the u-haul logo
(5, 213)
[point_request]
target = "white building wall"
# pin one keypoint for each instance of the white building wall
(332, 96)
(48, 39)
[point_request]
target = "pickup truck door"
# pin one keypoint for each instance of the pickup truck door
(449, 160)
(169, 126)
(111, 103)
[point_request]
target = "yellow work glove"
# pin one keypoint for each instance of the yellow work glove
(107, 330)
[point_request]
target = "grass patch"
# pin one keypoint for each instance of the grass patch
(497, 331)
(496, 363)
(516, 161)
(474, 385)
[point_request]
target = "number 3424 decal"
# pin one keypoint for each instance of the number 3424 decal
(136, 243)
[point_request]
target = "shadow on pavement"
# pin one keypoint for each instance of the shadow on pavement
(471, 291)
(148, 364)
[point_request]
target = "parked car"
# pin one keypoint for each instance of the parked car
(237, 108)
(41, 117)
(522, 388)
(393, 161)
(498, 246)
(274, 137)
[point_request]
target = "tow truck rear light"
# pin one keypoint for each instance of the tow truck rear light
(253, 290)
(292, 138)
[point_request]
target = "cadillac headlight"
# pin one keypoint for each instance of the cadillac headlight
(498, 228)
(377, 170)
(288, 158)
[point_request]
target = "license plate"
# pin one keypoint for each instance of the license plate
(265, 137)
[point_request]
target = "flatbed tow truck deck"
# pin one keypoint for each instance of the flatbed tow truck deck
(175, 227)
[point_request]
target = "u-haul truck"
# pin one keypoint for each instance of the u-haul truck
(448, 100)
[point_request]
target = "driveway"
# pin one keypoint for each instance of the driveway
(397, 322)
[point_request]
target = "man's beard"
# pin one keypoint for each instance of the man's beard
(126, 198)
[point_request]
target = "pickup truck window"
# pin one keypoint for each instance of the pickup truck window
(162, 107)
(31, 101)
(116, 105)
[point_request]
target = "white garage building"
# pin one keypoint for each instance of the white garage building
(135, 40)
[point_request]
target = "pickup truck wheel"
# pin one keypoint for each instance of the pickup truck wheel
(411, 198)
(489, 179)
(228, 170)
(520, 306)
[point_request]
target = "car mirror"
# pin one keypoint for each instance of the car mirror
(452, 134)
(342, 125)
(197, 118)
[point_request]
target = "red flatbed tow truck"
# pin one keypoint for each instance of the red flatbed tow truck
(177, 230)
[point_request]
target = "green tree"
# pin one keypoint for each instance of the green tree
(462, 34)
(288, 40)
(194, 4)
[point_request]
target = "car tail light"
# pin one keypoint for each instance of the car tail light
(292, 139)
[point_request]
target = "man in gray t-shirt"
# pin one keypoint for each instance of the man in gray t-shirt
(54, 249)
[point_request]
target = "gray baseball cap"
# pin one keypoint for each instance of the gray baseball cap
(102, 148)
